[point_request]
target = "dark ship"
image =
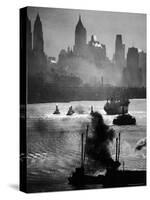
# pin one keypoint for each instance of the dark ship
(114, 107)
(112, 178)
(124, 119)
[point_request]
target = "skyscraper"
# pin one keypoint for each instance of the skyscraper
(80, 37)
(142, 66)
(132, 73)
(37, 60)
(132, 59)
(29, 36)
(119, 56)
(38, 43)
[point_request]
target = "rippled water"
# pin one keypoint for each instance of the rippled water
(53, 142)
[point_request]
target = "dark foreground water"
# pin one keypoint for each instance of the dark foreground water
(54, 142)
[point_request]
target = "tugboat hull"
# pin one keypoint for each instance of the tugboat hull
(56, 113)
(86, 179)
(124, 120)
(119, 178)
(116, 110)
(124, 178)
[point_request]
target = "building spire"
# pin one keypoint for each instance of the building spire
(38, 16)
(79, 24)
(80, 34)
(38, 41)
(79, 17)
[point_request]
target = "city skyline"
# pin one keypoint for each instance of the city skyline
(82, 99)
(59, 26)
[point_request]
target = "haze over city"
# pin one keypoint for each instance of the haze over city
(87, 50)
(59, 26)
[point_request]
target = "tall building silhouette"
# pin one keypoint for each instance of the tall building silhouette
(132, 59)
(38, 43)
(80, 37)
(89, 54)
(92, 51)
(142, 66)
(37, 60)
(119, 56)
(132, 72)
(29, 35)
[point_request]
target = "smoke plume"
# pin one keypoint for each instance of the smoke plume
(79, 109)
(98, 145)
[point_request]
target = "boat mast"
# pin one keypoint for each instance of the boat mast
(118, 148)
(82, 150)
(83, 146)
(86, 141)
(123, 165)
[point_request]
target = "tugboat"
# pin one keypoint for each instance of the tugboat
(56, 112)
(114, 107)
(70, 111)
(113, 177)
(78, 177)
(124, 119)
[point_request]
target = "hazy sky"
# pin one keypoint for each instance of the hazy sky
(59, 26)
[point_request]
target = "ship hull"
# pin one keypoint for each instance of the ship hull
(112, 179)
(116, 110)
(125, 178)
(124, 120)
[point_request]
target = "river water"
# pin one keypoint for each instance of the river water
(54, 142)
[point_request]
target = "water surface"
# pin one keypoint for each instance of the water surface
(54, 142)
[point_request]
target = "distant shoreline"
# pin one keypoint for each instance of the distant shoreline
(55, 102)
(49, 94)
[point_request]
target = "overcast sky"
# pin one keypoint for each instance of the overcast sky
(59, 26)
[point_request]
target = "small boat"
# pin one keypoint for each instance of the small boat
(56, 112)
(70, 111)
(114, 107)
(124, 119)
